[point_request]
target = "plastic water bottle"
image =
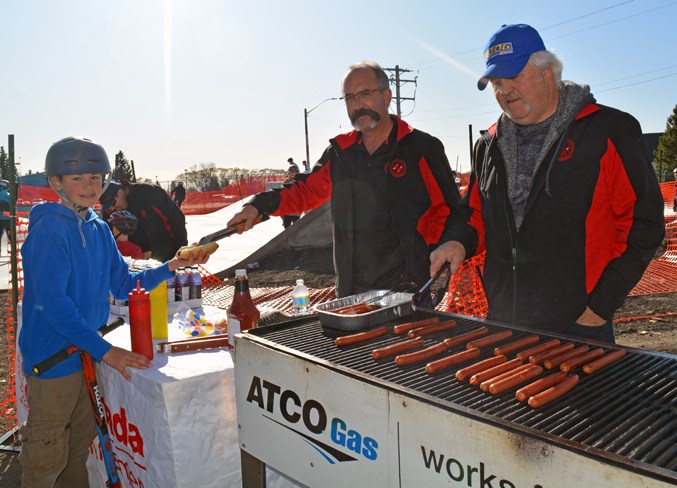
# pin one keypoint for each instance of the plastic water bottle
(301, 299)
(195, 284)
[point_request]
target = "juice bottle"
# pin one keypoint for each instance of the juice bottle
(242, 313)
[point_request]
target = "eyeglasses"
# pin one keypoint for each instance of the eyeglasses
(362, 96)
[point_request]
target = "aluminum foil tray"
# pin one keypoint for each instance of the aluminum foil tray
(393, 305)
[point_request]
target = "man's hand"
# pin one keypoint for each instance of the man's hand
(590, 318)
(121, 359)
(246, 216)
(451, 252)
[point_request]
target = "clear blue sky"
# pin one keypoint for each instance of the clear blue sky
(176, 83)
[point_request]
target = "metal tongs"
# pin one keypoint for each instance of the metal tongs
(229, 231)
(442, 277)
(436, 295)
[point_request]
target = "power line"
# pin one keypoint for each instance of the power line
(398, 82)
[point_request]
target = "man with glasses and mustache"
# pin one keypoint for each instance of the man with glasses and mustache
(393, 197)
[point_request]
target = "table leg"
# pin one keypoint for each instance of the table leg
(253, 471)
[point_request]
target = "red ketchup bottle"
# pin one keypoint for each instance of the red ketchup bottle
(140, 321)
(242, 313)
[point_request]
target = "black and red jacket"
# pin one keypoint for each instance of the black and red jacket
(592, 223)
(422, 198)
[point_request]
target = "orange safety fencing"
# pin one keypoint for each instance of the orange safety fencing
(196, 202)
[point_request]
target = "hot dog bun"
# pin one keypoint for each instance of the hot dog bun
(192, 252)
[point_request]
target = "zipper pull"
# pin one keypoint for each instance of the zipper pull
(514, 259)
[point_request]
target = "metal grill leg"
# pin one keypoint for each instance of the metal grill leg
(253, 471)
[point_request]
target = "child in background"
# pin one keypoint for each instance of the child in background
(70, 263)
(123, 224)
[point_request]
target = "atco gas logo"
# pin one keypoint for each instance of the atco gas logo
(301, 417)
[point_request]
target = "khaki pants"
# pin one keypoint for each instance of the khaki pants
(57, 434)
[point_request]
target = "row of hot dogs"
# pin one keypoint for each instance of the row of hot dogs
(498, 373)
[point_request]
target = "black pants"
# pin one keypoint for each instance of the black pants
(287, 220)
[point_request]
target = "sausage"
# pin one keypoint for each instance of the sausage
(192, 252)
(398, 348)
(459, 357)
(488, 340)
(555, 361)
(515, 345)
(524, 355)
(431, 328)
(570, 364)
(468, 336)
(423, 354)
(484, 386)
(478, 378)
(551, 353)
(526, 392)
(406, 327)
(553, 392)
(349, 340)
(468, 371)
(511, 381)
(356, 309)
(605, 360)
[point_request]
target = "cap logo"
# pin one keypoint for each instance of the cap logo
(498, 50)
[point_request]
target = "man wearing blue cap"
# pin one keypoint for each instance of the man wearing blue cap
(562, 195)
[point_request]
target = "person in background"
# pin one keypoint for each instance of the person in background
(178, 193)
(562, 197)
(162, 225)
(306, 167)
(289, 219)
(70, 264)
(123, 224)
(290, 161)
(392, 194)
(4, 211)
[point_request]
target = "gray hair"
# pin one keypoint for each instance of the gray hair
(543, 59)
(381, 76)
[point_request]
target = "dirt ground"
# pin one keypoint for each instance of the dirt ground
(655, 330)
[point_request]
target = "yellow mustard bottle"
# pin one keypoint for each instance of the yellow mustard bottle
(158, 311)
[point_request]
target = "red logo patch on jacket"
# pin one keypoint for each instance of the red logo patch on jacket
(397, 168)
(568, 150)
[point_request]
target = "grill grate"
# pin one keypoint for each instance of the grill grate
(627, 409)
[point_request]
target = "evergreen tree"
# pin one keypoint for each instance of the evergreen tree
(122, 170)
(4, 164)
(665, 155)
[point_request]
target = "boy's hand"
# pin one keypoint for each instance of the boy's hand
(192, 255)
(121, 359)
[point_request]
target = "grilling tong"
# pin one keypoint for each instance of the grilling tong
(229, 231)
(441, 277)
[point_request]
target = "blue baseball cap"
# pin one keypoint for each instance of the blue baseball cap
(507, 52)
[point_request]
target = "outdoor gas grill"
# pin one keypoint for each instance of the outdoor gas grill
(329, 416)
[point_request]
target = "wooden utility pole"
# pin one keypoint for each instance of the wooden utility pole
(398, 82)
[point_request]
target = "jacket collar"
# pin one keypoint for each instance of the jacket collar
(346, 140)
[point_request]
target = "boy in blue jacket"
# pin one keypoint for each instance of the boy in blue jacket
(70, 263)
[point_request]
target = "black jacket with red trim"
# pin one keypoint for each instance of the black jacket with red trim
(162, 225)
(422, 197)
(592, 223)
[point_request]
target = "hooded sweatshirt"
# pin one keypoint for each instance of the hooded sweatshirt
(70, 264)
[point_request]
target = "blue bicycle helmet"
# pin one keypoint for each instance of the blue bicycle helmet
(124, 220)
(76, 156)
